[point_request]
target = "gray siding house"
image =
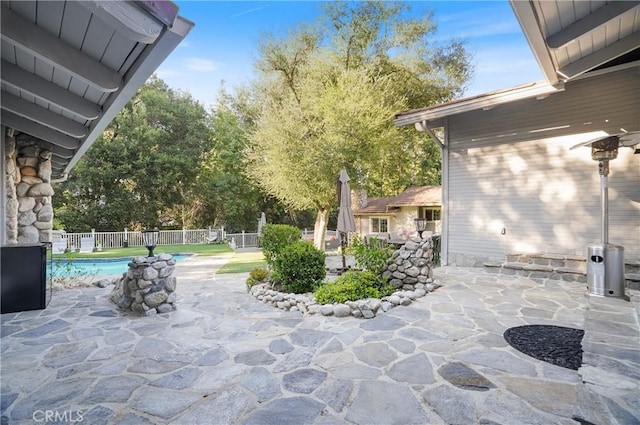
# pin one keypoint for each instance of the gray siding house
(512, 185)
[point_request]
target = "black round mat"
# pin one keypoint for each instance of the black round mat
(552, 344)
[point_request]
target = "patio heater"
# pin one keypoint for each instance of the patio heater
(150, 239)
(605, 261)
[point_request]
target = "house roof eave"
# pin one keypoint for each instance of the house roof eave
(483, 101)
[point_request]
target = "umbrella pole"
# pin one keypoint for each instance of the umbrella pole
(342, 246)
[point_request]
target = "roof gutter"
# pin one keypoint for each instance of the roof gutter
(538, 89)
(62, 179)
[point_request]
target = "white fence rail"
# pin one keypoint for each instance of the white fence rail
(250, 240)
(170, 237)
(242, 240)
(128, 238)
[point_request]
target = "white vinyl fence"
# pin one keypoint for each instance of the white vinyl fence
(242, 240)
(250, 240)
(171, 237)
(129, 238)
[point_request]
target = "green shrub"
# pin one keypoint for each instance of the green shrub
(372, 257)
(352, 286)
(299, 268)
(256, 276)
(275, 237)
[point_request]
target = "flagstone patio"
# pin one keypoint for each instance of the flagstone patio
(225, 358)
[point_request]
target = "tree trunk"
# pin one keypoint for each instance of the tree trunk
(320, 228)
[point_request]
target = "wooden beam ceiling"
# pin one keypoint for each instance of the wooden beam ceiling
(36, 41)
(589, 23)
(12, 120)
(19, 79)
(127, 18)
(601, 56)
(42, 116)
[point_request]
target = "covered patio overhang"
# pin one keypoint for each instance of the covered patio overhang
(68, 67)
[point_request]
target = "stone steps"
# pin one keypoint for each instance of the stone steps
(570, 268)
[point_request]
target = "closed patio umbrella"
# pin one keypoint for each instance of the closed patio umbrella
(261, 222)
(346, 222)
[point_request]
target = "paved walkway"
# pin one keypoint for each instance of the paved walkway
(224, 358)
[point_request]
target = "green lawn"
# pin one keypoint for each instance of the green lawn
(244, 262)
(200, 249)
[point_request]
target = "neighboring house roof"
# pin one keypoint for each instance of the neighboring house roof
(569, 38)
(416, 196)
(375, 206)
(68, 67)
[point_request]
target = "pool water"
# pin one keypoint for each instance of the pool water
(95, 267)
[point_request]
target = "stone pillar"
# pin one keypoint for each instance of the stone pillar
(148, 286)
(28, 190)
(411, 264)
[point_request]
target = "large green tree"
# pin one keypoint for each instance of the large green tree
(327, 95)
(142, 170)
(225, 196)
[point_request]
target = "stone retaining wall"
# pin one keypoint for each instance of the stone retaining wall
(148, 287)
(29, 213)
(411, 264)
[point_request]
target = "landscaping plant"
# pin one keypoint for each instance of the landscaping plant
(274, 238)
(352, 286)
(299, 268)
(256, 276)
(66, 273)
(372, 257)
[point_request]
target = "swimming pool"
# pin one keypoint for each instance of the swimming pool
(95, 267)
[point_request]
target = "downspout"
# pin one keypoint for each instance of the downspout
(3, 195)
(444, 151)
(62, 179)
(424, 126)
(444, 238)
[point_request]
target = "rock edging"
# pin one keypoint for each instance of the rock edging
(366, 309)
(409, 271)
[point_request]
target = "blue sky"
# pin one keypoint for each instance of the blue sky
(223, 44)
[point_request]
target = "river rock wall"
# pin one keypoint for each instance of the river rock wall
(29, 213)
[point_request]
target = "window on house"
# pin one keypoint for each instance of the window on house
(379, 225)
(430, 213)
